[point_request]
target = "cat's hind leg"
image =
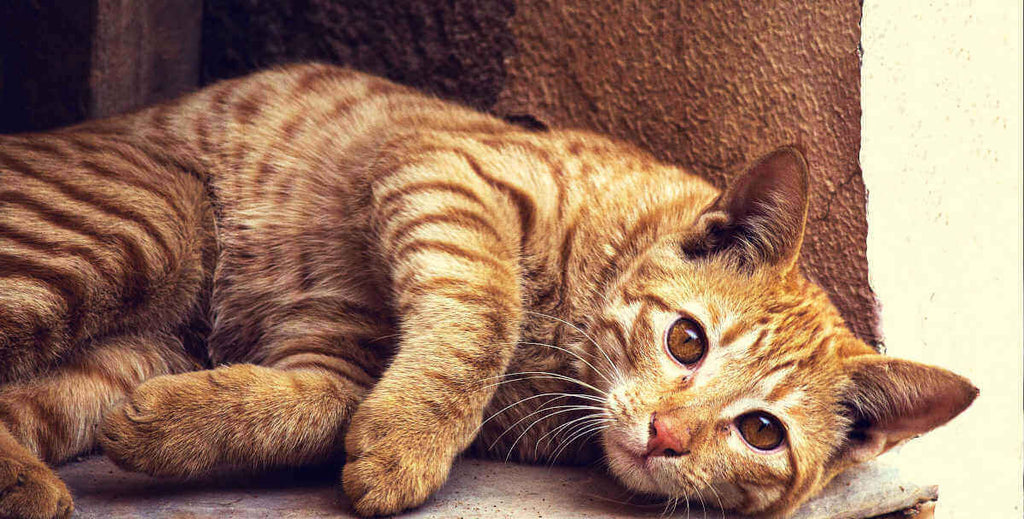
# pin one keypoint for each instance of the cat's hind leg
(54, 417)
(293, 411)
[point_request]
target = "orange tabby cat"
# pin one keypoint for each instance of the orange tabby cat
(374, 272)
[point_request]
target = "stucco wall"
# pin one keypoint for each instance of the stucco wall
(710, 86)
(942, 137)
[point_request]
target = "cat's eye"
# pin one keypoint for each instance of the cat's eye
(761, 430)
(686, 341)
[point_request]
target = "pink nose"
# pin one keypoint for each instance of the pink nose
(667, 438)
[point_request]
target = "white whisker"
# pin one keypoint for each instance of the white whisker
(587, 336)
(543, 408)
(526, 399)
(535, 422)
(567, 424)
(571, 428)
(557, 376)
(599, 372)
(566, 443)
(707, 485)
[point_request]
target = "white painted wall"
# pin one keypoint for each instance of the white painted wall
(942, 88)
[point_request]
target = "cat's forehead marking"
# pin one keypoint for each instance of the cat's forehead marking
(629, 314)
(768, 383)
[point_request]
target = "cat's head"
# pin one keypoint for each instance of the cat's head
(736, 380)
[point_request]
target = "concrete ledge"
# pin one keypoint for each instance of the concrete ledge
(476, 489)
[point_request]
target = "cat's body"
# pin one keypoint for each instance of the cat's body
(315, 231)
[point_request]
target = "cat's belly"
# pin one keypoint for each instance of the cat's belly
(300, 270)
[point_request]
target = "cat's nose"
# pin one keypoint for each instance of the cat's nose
(667, 438)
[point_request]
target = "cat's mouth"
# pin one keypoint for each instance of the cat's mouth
(633, 466)
(640, 459)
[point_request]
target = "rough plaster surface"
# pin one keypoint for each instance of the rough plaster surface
(942, 159)
(476, 489)
(707, 85)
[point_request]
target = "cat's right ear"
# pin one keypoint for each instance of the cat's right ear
(761, 216)
(890, 400)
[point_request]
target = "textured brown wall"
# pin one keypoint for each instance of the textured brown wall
(455, 49)
(143, 52)
(712, 85)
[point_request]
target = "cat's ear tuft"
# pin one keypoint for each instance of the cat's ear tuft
(761, 215)
(892, 400)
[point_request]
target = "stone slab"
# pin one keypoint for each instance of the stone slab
(477, 489)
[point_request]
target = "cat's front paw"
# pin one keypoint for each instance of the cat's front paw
(389, 468)
(159, 429)
(31, 491)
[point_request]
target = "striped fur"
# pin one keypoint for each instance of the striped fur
(367, 271)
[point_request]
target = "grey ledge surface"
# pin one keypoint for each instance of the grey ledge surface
(476, 489)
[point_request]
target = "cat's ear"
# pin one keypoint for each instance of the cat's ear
(761, 215)
(892, 400)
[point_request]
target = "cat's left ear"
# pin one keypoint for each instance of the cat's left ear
(891, 400)
(761, 215)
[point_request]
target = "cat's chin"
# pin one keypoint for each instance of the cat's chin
(631, 466)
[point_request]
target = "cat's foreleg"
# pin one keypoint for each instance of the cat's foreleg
(453, 262)
(53, 418)
(290, 413)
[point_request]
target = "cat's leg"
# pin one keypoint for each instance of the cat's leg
(451, 236)
(293, 411)
(28, 488)
(55, 416)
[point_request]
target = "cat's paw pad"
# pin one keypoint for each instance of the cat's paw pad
(157, 430)
(388, 471)
(32, 491)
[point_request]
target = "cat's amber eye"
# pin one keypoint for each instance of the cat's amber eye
(761, 430)
(686, 341)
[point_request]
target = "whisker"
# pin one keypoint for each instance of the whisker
(573, 353)
(557, 376)
(587, 336)
(382, 337)
(599, 372)
(526, 399)
(586, 438)
(566, 443)
(535, 422)
(522, 378)
(701, 499)
(567, 424)
(670, 507)
(574, 426)
(543, 408)
(706, 484)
